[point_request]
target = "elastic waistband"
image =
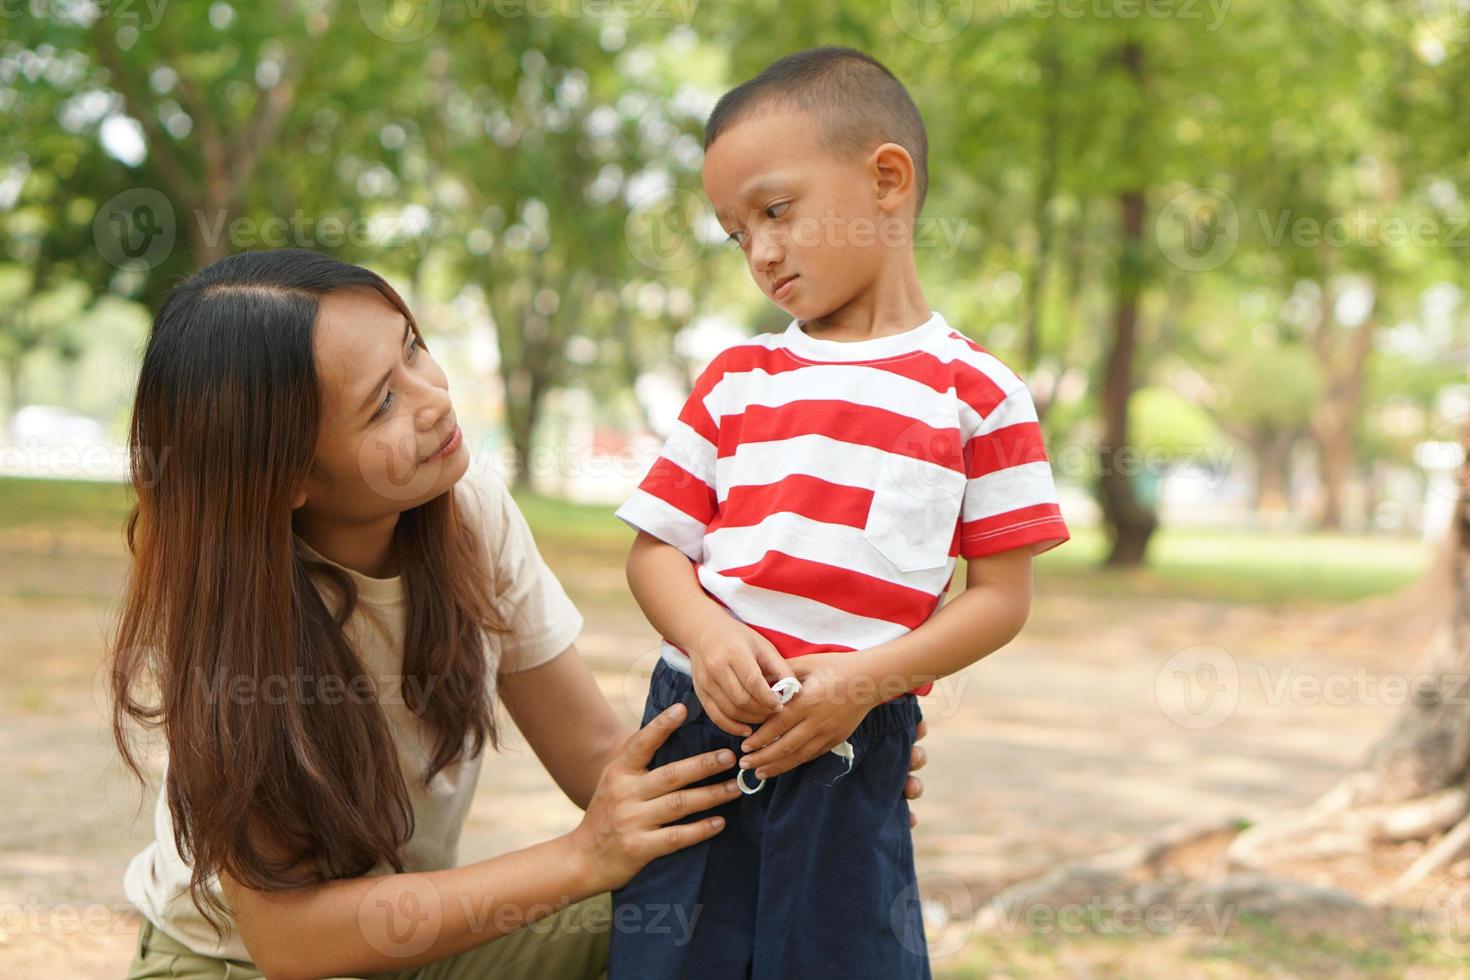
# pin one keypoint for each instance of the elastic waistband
(678, 660)
(902, 712)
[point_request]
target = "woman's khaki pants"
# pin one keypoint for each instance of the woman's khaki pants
(569, 945)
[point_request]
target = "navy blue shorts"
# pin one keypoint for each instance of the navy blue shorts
(813, 876)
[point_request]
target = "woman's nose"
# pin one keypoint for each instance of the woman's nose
(435, 404)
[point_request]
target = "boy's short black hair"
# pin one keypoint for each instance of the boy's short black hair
(857, 102)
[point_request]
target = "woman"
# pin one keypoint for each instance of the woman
(321, 612)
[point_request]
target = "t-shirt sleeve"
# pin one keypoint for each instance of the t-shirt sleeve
(1010, 497)
(676, 500)
(542, 620)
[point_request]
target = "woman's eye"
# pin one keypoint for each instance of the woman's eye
(387, 400)
(734, 237)
(779, 209)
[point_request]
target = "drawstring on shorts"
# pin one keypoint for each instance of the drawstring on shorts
(785, 689)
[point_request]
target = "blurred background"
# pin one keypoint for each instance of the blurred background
(1225, 244)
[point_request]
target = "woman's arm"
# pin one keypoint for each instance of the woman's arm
(566, 720)
(386, 923)
(363, 926)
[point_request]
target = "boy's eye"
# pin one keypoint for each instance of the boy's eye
(734, 237)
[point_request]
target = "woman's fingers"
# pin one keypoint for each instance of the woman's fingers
(683, 802)
(667, 840)
(680, 773)
(918, 758)
(638, 750)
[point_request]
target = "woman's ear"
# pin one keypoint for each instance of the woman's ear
(298, 498)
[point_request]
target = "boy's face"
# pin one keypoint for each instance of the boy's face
(813, 227)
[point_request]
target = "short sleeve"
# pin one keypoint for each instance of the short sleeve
(1010, 497)
(676, 500)
(543, 621)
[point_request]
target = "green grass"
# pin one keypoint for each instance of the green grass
(62, 504)
(1254, 946)
(1246, 566)
(1235, 566)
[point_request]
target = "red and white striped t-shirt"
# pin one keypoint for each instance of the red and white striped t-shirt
(824, 489)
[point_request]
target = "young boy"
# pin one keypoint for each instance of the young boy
(803, 521)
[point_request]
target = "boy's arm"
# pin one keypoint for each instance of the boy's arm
(838, 689)
(730, 662)
(662, 580)
(973, 625)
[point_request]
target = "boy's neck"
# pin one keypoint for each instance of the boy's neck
(893, 303)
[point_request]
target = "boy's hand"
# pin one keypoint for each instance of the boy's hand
(823, 714)
(734, 668)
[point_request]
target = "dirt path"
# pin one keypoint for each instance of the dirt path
(1082, 735)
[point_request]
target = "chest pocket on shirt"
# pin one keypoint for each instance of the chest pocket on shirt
(915, 508)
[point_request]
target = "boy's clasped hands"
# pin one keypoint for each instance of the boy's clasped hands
(734, 668)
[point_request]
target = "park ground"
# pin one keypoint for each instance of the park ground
(1064, 744)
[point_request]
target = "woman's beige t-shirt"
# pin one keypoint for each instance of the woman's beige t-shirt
(543, 623)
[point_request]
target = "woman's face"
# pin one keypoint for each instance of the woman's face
(389, 440)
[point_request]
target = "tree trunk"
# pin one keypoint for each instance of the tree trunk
(14, 391)
(1271, 449)
(1427, 746)
(1344, 368)
(1046, 186)
(1130, 523)
(1414, 782)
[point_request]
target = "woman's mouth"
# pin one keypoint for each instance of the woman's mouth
(784, 287)
(448, 446)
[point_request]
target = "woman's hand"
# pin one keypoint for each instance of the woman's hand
(630, 819)
(913, 787)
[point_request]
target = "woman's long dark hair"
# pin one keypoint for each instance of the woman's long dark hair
(280, 791)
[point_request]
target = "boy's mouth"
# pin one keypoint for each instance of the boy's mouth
(782, 287)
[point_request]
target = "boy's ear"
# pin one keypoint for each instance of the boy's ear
(893, 174)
